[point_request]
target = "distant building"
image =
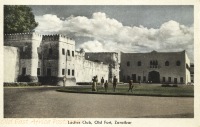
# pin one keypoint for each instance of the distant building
(155, 67)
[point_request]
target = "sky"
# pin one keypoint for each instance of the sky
(125, 28)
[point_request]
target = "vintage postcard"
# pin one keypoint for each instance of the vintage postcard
(105, 63)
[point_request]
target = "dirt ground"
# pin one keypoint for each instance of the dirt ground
(45, 102)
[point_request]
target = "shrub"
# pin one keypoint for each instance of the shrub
(16, 84)
(27, 78)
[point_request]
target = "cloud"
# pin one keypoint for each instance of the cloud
(108, 34)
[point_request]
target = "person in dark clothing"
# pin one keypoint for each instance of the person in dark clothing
(102, 82)
(131, 85)
(106, 85)
(114, 83)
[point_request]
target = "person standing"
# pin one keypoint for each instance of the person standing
(114, 83)
(106, 85)
(102, 82)
(130, 85)
(64, 80)
(93, 84)
(96, 83)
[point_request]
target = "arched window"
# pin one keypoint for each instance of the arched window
(156, 62)
(178, 63)
(139, 63)
(151, 63)
(167, 63)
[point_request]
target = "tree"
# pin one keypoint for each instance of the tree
(18, 19)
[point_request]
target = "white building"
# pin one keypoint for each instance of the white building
(155, 67)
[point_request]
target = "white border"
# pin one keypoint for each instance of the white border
(136, 122)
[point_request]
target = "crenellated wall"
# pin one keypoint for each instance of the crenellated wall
(28, 44)
(57, 54)
(85, 69)
(110, 58)
(51, 57)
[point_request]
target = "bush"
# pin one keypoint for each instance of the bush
(27, 78)
(84, 83)
(16, 84)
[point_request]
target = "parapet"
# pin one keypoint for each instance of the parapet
(22, 36)
(57, 37)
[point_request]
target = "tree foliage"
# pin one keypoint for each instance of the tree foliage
(18, 19)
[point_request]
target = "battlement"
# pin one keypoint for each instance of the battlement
(57, 37)
(101, 53)
(22, 36)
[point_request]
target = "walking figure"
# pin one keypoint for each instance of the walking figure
(131, 85)
(94, 83)
(102, 82)
(114, 83)
(106, 85)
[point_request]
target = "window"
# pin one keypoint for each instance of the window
(167, 63)
(139, 63)
(23, 71)
(38, 71)
(50, 51)
(144, 78)
(187, 66)
(163, 79)
(169, 79)
(63, 71)
(128, 63)
(134, 77)
(63, 51)
(139, 78)
(175, 80)
(24, 48)
(68, 71)
(48, 71)
(181, 79)
(153, 64)
(72, 72)
(178, 63)
(73, 53)
(68, 52)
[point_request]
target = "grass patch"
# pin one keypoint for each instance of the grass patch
(142, 90)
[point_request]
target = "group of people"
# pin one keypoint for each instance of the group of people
(104, 84)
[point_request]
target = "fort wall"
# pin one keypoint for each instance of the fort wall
(85, 69)
(11, 64)
(28, 44)
(110, 58)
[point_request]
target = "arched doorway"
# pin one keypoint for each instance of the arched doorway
(154, 76)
